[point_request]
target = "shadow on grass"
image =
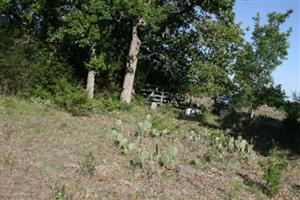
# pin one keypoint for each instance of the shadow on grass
(263, 132)
(251, 183)
(205, 119)
(266, 133)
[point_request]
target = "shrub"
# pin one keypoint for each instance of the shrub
(72, 98)
(88, 166)
(37, 94)
(27, 66)
(113, 103)
(291, 125)
(273, 172)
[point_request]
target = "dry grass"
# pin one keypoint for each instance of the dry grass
(41, 150)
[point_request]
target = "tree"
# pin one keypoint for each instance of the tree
(260, 57)
(139, 13)
(85, 24)
(216, 48)
(175, 53)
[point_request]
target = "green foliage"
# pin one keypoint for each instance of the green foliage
(219, 41)
(72, 98)
(88, 166)
(85, 25)
(273, 172)
(60, 191)
(293, 110)
(97, 63)
(168, 156)
(273, 96)
(258, 59)
(161, 124)
(112, 103)
(213, 58)
(28, 66)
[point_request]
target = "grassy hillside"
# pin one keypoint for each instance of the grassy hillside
(132, 154)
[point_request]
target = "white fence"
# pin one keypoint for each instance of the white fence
(154, 95)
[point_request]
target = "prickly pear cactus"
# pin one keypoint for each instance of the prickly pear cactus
(168, 156)
(145, 125)
(231, 146)
(243, 145)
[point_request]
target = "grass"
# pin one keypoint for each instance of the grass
(44, 152)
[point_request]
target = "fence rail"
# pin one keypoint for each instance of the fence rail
(155, 95)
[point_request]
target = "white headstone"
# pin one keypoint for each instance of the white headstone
(188, 111)
(153, 106)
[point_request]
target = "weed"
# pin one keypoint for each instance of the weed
(198, 163)
(210, 155)
(9, 160)
(193, 136)
(60, 191)
(88, 166)
(273, 173)
(255, 189)
(161, 124)
(236, 192)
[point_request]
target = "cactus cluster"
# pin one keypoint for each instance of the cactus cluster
(222, 141)
(139, 158)
(147, 127)
(124, 145)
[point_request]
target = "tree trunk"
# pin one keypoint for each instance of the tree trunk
(131, 63)
(90, 83)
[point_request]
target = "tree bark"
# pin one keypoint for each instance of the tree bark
(131, 63)
(90, 83)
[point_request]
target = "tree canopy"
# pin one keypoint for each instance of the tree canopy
(185, 46)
